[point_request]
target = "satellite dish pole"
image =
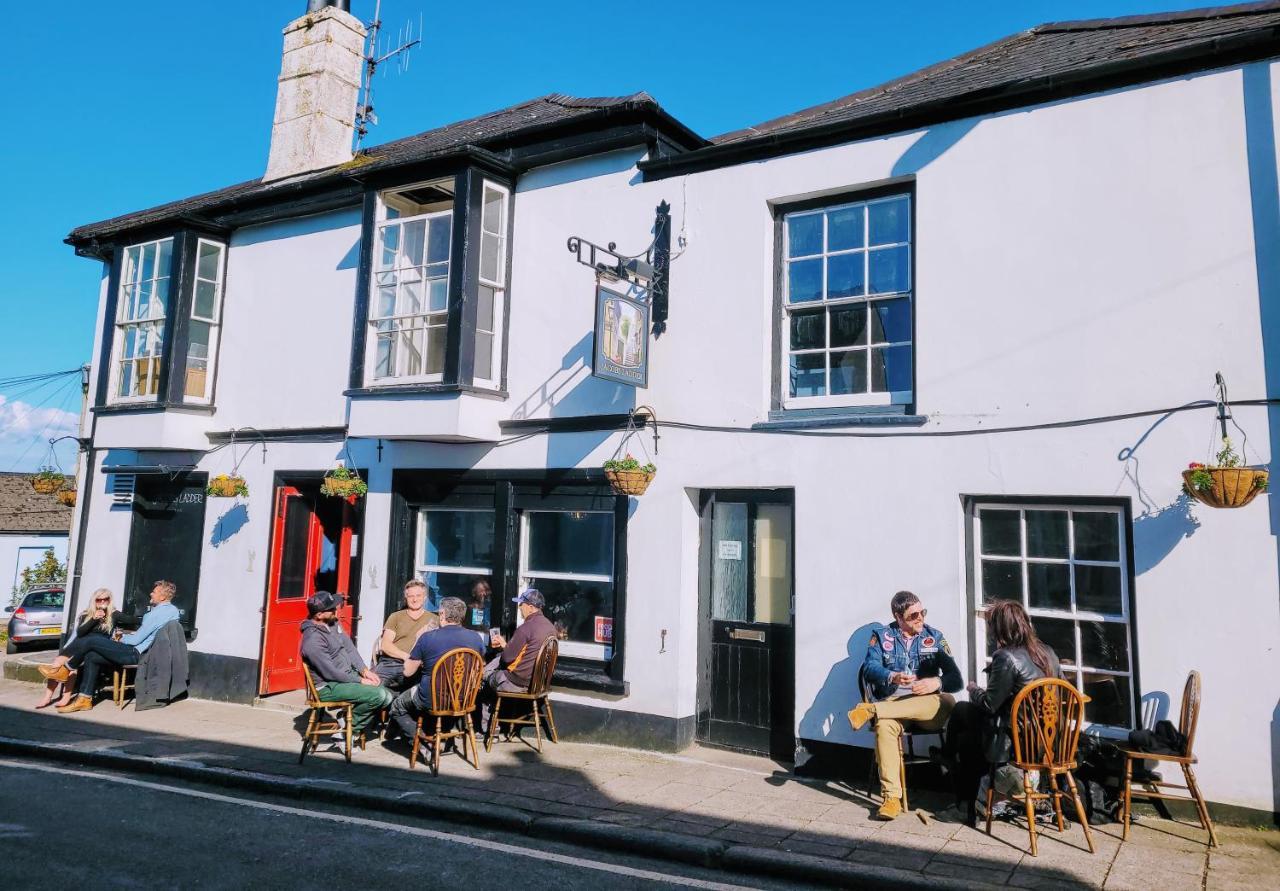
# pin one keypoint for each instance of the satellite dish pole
(365, 116)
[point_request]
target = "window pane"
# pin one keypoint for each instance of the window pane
(164, 259)
(807, 330)
(576, 542)
(809, 374)
(1105, 645)
(438, 298)
(730, 551)
(209, 262)
(435, 350)
(889, 221)
(889, 270)
(148, 262)
(1047, 534)
(891, 321)
(1097, 535)
(574, 605)
(438, 248)
(1001, 532)
(196, 383)
(1098, 589)
(804, 281)
(458, 538)
(484, 356)
(1049, 585)
(849, 372)
(489, 256)
(384, 360)
(449, 584)
(385, 301)
(484, 308)
(845, 276)
(845, 228)
(849, 326)
(1001, 580)
(772, 546)
(492, 216)
(1059, 635)
(415, 233)
(410, 294)
(891, 369)
(206, 300)
(804, 234)
(1109, 699)
(390, 236)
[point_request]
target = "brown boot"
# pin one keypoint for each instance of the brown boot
(861, 714)
(891, 809)
(60, 673)
(79, 704)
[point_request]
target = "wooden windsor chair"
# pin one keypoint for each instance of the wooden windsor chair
(1187, 720)
(906, 745)
(1045, 724)
(537, 697)
(455, 681)
(321, 723)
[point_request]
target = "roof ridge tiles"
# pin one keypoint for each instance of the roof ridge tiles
(1203, 13)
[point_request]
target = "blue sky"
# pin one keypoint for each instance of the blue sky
(115, 107)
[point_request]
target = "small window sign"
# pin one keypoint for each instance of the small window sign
(729, 550)
(604, 629)
(621, 352)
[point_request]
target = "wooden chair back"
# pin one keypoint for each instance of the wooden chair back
(544, 667)
(1045, 723)
(455, 681)
(313, 695)
(864, 685)
(1190, 714)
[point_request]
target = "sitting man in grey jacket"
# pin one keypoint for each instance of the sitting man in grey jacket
(336, 666)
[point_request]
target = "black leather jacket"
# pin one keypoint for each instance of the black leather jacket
(1011, 670)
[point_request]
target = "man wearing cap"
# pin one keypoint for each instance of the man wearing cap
(413, 703)
(512, 669)
(336, 666)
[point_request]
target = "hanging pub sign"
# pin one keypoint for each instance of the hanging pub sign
(621, 352)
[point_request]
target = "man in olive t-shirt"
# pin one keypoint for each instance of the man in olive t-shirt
(402, 629)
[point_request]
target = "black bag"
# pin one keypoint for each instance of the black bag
(1098, 779)
(1164, 740)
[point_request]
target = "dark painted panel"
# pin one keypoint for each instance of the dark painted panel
(634, 730)
(223, 678)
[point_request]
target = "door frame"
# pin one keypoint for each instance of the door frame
(194, 478)
(752, 497)
(308, 478)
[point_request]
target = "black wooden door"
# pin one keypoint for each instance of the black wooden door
(746, 687)
(165, 541)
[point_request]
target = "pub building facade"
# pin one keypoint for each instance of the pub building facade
(923, 337)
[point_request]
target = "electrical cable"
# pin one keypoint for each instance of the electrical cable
(65, 391)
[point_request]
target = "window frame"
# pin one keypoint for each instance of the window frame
(165, 321)
(899, 402)
(214, 323)
(593, 652)
(497, 356)
(421, 569)
(1127, 616)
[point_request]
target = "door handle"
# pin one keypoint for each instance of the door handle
(746, 634)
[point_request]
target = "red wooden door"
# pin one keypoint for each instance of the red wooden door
(311, 539)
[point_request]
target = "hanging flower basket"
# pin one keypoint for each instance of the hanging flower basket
(1223, 486)
(67, 497)
(227, 486)
(343, 482)
(628, 476)
(48, 481)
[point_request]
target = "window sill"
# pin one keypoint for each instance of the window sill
(124, 408)
(852, 416)
(588, 676)
(423, 390)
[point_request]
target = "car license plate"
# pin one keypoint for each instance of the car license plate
(50, 630)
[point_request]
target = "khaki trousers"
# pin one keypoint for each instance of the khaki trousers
(924, 713)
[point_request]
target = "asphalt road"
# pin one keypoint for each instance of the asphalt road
(68, 827)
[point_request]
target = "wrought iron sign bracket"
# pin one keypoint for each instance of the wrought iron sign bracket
(649, 269)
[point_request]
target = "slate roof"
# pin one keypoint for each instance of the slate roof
(23, 510)
(491, 132)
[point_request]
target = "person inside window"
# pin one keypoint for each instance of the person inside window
(912, 675)
(978, 731)
(401, 632)
(479, 609)
(99, 619)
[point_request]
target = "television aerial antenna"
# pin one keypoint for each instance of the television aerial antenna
(375, 54)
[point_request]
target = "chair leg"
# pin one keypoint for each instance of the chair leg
(347, 733)
(537, 725)
(1029, 800)
(991, 794)
(1126, 807)
(435, 751)
(475, 749)
(1202, 806)
(551, 721)
(306, 736)
(488, 731)
(1080, 812)
(417, 740)
(902, 774)
(1057, 801)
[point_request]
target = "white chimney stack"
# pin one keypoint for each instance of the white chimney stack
(319, 86)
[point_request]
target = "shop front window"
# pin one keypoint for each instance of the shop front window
(568, 556)
(455, 551)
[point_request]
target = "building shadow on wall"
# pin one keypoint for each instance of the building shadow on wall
(232, 521)
(1264, 198)
(1158, 529)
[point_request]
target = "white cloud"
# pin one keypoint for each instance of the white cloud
(25, 431)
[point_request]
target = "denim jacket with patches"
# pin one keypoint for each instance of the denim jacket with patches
(928, 655)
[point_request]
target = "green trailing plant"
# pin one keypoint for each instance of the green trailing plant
(48, 480)
(629, 463)
(342, 482)
(227, 486)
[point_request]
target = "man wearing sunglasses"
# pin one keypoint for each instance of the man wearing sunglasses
(912, 673)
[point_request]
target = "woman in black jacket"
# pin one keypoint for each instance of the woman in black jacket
(978, 730)
(99, 618)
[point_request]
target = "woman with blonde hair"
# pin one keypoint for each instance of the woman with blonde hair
(98, 618)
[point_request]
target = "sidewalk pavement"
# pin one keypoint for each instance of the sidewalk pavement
(709, 807)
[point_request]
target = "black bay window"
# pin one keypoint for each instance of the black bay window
(431, 307)
(562, 532)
